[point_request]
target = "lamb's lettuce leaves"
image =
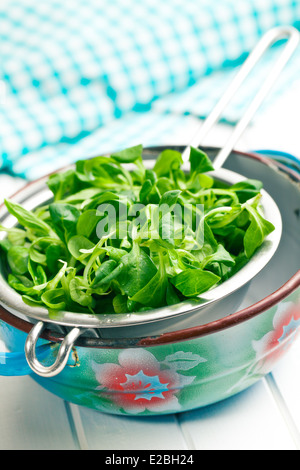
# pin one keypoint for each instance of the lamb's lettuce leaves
(184, 233)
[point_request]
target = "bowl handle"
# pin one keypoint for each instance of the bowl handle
(62, 355)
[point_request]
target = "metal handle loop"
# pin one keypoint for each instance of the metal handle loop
(62, 356)
(269, 39)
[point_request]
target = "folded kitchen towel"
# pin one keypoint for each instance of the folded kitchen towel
(72, 73)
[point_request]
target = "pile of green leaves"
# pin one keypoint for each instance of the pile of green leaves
(56, 260)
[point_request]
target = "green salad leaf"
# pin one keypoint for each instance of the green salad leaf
(119, 237)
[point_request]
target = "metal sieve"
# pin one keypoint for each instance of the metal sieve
(37, 193)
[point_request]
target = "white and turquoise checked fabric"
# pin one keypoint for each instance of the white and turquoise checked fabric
(92, 76)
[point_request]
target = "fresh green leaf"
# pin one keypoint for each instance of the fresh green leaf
(220, 256)
(129, 155)
(17, 258)
(145, 191)
(153, 294)
(87, 222)
(120, 303)
(170, 198)
(54, 299)
(199, 161)
(20, 283)
(167, 161)
(193, 282)
(78, 245)
(257, 231)
(79, 292)
(247, 189)
(5, 245)
(54, 253)
(37, 274)
(32, 302)
(61, 184)
(27, 219)
(103, 272)
(64, 219)
(137, 272)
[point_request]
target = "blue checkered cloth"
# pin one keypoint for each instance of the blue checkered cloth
(93, 76)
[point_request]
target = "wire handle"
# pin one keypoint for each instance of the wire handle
(268, 40)
(62, 355)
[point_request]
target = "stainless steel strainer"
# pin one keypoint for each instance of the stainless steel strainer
(37, 194)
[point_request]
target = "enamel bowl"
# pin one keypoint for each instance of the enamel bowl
(191, 362)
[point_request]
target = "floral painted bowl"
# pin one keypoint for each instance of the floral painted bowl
(194, 364)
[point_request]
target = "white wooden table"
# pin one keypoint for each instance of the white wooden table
(264, 417)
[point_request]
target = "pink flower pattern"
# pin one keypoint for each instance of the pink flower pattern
(139, 382)
(274, 344)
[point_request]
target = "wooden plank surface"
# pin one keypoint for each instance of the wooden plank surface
(108, 432)
(32, 418)
(248, 421)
